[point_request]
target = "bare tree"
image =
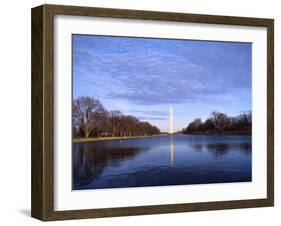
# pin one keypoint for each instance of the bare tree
(87, 114)
(220, 123)
(220, 120)
(209, 125)
(115, 120)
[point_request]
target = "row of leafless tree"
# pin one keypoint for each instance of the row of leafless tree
(220, 123)
(91, 119)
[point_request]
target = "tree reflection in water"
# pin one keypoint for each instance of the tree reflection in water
(198, 147)
(89, 162)
(219, 149)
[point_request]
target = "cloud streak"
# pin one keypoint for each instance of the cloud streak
(152, 118)
(148, 112)
(153, 72)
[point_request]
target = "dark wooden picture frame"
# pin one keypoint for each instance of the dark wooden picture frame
(43, 107)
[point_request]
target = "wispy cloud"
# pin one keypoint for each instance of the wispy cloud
(143, 118)
(147, 112)
(149, 72)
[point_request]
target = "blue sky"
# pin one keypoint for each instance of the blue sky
(143, 76)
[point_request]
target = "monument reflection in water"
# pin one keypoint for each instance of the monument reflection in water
(161, 160)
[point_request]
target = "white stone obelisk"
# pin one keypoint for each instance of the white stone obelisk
(171, 120)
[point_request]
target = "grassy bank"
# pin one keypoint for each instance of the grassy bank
(92, 139)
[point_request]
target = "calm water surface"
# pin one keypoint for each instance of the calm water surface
(162, 160)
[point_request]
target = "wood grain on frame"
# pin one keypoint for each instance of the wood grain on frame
(42, 203)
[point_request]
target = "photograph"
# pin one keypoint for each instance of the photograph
(152, 111)
(137, 112)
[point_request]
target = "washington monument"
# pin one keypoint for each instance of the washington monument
(171, 120)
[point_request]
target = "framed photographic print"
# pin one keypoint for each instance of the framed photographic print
(141, 112)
